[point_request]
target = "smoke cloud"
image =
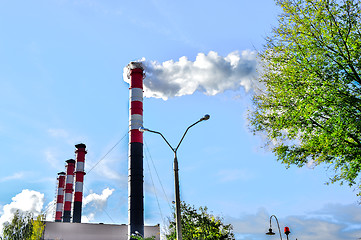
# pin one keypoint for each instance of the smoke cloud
(26, 201)
(210, 74)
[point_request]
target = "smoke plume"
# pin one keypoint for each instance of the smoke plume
(210, 74)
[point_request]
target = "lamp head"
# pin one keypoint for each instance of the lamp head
(206, 117)
(142, 129)
(270, 232)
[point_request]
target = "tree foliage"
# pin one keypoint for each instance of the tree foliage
(142, 238)
(38, 228)
(200, 225)
(310, 107)
(22, 226)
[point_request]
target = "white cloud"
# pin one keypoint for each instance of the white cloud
(88, 218)
(95, 203)
(250, 224)
(65, 135)
(98, 200)
(26, 201)
(210, 74)
(15, 176)
(333, 222)
(61, 133)
(51, 158)
(106, 169)
(50, 210)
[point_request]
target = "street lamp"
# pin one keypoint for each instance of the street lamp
(270, 227)
(176, 177)
(287, 230)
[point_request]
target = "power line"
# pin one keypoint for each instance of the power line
(160, 182)
(107, 153)
(103, 208)
(155, 192)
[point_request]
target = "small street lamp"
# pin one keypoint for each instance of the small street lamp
(270, 232)
(270, 227)
(176, 177)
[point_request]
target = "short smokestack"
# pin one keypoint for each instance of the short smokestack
(68, 190)
(60, 197)
(79, 180)
(135, 174)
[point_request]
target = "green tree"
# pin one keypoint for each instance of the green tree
(137, 237)
(310, 107)
(200, 225)
(38, 228)
(20, 227)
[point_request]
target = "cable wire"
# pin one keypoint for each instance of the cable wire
(103, 208)
(160, 182)
(106, 154)
(155, 190)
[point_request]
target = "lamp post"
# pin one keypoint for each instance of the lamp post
(176, 177)
(287, 230)
(270, 227)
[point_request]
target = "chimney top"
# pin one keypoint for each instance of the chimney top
(134, 65)
(80, 145)
(70, 161)
(61, 173)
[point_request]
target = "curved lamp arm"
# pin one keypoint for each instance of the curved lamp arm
(142, 129)
(279, 230)
(206, 117)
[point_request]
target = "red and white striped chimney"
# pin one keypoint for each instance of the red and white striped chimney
(135, 177)
(79, 179)
(68, 190)
(60, 197)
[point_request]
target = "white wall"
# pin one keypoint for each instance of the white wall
(91, 231)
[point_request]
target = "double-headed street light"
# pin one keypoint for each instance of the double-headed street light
(176, 177)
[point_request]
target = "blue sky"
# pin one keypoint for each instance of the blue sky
(61, 83)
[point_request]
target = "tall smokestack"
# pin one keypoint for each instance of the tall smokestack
(135, 177)
(79, 179)
(68, 189)
(60, 197)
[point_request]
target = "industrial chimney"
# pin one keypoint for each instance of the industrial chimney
(60, 197)
(79, 179)
(135, 177)
(68, 189)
